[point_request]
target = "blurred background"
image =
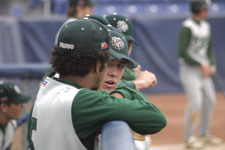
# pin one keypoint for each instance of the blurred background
(28, 29)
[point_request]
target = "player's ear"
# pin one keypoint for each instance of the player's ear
(4, 107)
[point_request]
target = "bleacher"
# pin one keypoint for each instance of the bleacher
(142, 7)
(129, 7)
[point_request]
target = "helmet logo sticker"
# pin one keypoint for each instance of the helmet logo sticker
(117, 43)
(122, 26)
(104, 45)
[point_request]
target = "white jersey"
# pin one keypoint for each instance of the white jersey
(52, 113)
(6, 138)
(199, 41)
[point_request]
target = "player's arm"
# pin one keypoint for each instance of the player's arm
(211, 57)
(129, 74)
(145, 79)
(136, 95)
(140, 114)
(210, 53)
(183, 44)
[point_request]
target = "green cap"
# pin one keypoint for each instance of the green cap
(123, 24)
(11, 93)
(83, 36)
(118, 48)
(81, 3)
(98, 18)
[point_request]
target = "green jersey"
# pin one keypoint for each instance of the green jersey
(72, 116)
(129, 74)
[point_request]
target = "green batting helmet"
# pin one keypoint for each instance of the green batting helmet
(197, 5)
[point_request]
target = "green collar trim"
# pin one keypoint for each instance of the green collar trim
(68, 82)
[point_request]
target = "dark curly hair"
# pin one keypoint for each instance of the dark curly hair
(78, 64)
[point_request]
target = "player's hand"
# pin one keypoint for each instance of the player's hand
(145, 79)
(205, 69)
(212, 70)
(137, 69)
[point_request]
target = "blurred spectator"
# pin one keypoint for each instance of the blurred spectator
(80, 8)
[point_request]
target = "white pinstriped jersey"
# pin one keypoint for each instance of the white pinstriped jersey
(199, 41)
(53, 119)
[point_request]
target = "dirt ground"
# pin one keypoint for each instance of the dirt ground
(171, 137)
(174, 106)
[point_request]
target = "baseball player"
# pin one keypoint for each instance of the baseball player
(197, 65)
(69, 109)
(143, 78)
(11, 108)
(131, 76)
(125, 26)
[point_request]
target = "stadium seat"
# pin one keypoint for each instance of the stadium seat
(17, 11)
(34, 3)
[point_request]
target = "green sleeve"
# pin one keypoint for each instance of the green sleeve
(124, 83)
(91, 109)
(183, 44)
(130, 93)
(210, 54)
(129, 74)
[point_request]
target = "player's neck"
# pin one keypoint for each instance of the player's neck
(3, 119)
(84, 81)
(197, 19)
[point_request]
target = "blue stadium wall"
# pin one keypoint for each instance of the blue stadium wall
(25, 45)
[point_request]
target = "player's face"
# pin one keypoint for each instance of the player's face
(13, 111)
(113, 75)
(82, 11)
(203, 13)
(89, 10)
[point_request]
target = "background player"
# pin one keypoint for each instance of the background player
(111, 80)
(124, 25)
(79, 8)
(197, 65)
(11, 108)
